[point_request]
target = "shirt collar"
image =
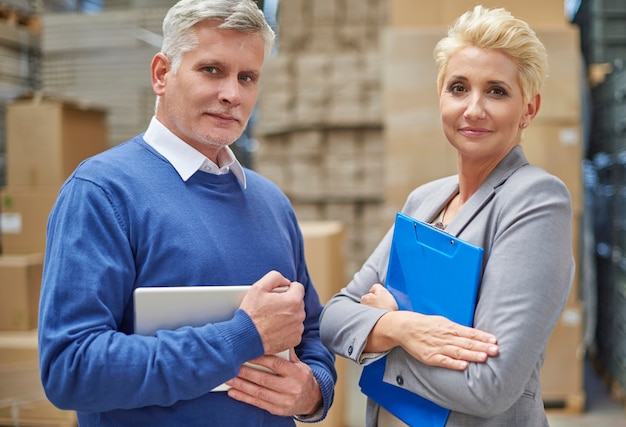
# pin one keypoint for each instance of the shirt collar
(186, 159)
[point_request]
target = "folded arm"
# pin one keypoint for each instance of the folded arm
(433, 340)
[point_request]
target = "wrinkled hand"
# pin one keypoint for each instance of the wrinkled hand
(379, 297)
(292, 390)
(278, 316)
(433, 340)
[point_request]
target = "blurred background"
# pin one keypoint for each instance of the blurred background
(347, 124)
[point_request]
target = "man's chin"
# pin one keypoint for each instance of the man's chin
(218, 141)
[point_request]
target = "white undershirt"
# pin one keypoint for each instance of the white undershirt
(186, 159)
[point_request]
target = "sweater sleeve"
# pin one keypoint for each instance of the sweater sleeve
(311, 350)
(87, 363)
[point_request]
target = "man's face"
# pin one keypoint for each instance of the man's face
(208, 101)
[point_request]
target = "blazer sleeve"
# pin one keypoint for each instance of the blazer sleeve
(528, 271)
(345, 323)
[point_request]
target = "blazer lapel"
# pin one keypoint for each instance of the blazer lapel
(514, 160)
(430, 208)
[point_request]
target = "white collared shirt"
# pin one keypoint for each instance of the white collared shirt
(186, 159)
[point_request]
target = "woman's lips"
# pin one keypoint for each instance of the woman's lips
(474, 132)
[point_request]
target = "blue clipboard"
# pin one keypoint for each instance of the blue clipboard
(430, 272)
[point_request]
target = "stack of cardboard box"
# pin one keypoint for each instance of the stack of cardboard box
(417, 151)
(46, 139)
(325, 258)
(320, 131)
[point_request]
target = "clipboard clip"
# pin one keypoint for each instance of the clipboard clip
(437, 234)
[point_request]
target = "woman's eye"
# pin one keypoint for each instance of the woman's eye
(457, 88)
(499, 91)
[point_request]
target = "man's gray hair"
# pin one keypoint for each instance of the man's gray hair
(239, 15)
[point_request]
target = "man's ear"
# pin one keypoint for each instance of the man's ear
(159, 70)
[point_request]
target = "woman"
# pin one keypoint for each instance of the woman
(490, 69)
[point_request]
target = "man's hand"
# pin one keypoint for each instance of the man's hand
(292, 390)
(276, 306)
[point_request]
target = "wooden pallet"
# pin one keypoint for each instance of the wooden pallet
(618, 393)
(38, 423)
(572, 403)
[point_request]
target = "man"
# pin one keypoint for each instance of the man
(174, 207)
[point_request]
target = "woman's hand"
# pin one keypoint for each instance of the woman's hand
(437, 341)
(379, 297)
(433, 340)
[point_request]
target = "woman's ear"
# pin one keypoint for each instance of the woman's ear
(532, 108)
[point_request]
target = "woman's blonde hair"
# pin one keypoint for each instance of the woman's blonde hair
(499, 30)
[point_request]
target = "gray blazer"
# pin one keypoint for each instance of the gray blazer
(522, 218)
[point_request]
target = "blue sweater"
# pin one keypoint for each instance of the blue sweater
(125, 219)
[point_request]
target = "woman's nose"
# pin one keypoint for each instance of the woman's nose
(474, 108)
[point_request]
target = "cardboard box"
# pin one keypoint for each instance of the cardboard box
(415, 13)
(536, 12)
(47, 138)
(22, 399)
(576, 295)
(23, 219)
(20, 284)
(37, 413)
(557, 148)
(561, 98)
(324, 252)
(18, 347)
(421, 13)
(562, 372)
(416, 148)
(417, 152)
(407, 52)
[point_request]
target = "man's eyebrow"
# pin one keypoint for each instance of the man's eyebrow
(222, 65)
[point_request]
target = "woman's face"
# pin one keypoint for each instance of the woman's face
(481, 104)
